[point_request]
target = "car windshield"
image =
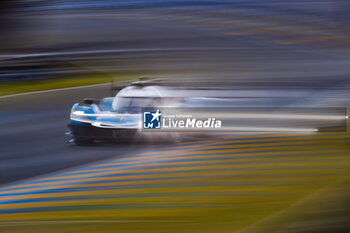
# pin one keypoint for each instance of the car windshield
(106, 104)
(133, 104)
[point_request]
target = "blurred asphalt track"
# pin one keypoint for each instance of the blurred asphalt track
(286, 54)
(221, 184)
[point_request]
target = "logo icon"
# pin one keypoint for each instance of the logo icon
(151, 119)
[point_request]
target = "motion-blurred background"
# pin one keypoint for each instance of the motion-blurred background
(271, 53)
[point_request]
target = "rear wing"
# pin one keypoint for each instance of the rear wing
(142, 81)
(184, 83)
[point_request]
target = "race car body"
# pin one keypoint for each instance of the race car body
(113, 118)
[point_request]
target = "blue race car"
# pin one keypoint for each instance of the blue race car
(113, 118)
